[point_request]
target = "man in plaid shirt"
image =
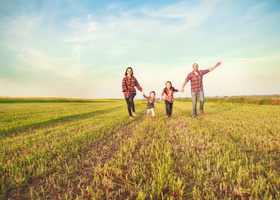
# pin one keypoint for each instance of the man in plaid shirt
(196, 86)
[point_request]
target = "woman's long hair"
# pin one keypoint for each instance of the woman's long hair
(128, 69)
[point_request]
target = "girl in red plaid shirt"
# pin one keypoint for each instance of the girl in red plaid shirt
(169, 98)
(128, 84)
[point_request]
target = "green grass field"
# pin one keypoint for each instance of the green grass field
(92, 150)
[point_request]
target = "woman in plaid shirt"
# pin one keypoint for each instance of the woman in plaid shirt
(128, 84)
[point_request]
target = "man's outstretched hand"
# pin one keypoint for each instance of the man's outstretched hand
(218, 64)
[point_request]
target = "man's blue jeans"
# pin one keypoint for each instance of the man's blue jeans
(195, 96)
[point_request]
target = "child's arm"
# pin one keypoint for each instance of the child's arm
(145, 96)
(161, 96)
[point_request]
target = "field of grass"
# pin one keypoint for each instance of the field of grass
(261, 100)
(92, 150)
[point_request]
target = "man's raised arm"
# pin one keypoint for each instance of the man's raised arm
(212, 68)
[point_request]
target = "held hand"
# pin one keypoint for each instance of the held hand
(218, 64)
(182, 90)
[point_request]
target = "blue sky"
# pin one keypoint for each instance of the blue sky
(81, 49)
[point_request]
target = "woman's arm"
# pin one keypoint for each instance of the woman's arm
(124, 86)
(137, 85)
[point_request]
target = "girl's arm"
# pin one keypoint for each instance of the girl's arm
(161, 96)
(145, 96)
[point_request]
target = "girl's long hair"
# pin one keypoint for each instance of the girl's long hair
(171, 88)
(128, 69)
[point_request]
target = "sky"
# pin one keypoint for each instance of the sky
(81, 48)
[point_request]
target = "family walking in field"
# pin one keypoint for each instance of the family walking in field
(129, 83)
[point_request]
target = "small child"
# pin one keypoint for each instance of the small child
(168, 91)
(150, 105)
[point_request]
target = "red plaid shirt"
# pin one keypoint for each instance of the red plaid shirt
(128, 85)
(196, 80)
(169, 94)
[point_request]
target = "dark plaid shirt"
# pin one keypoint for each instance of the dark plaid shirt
(169, 94)
(151, 101)
(128, 85)
(196, 80)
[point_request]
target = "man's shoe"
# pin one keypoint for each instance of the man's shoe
(202, 112)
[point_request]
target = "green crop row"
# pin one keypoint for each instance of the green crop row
(17, 117)
(49, 100)
(38, 152)
(260, 100)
